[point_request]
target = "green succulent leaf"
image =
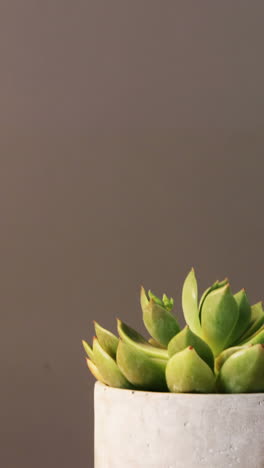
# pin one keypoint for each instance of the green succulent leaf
(257, 338)
(244, 315)
(133, 338)
(168, 303)
(256, 321)
(207, 291)
(224, 355)
(156, 299)
(108, 368)
(243, 371)
(186, 372)
(140, 369)
(88, 350)
(186, 338)
(94, 371)
(107, 339)
(190, 303)
(219, 317)
(160, 323)
(164, 302)
(144, 300)
(217, 284)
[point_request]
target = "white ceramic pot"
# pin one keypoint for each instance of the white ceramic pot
(138, 429)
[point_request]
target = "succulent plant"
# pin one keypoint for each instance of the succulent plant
(220, 350)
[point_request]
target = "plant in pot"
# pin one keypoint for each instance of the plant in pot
(182, 398)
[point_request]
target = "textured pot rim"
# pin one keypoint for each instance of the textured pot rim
(177, 395)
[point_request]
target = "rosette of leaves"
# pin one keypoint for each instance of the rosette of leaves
(221, 348)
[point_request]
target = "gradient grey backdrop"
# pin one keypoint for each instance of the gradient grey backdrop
(131, 139)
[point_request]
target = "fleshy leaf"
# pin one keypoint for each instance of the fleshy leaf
(217, 284)
(88, 350)
(143, 298)
(165, 302)
(257, 338)
(256, 321)
(219, 317)
(107, 339)
(94, 371)
(187, 338)
(224, 355)
(244, 311)
(141, 370)
(132, 337)
(156, 299)
(186, 372)
(160, 323)
(190, 303)
(108, 368)
(243, 371)
(168, 303)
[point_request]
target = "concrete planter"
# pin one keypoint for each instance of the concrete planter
(138, 429)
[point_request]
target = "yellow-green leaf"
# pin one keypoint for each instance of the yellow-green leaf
(186, 372)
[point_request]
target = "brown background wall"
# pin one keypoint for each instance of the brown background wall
(131, 139)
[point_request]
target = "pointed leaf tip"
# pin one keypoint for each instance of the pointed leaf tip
(143, 298)
(190, 302)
